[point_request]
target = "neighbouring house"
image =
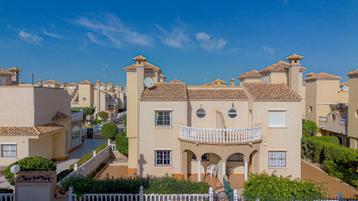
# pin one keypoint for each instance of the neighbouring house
(327, 104)
(77, 130)
(34, 121)
(9, 76)
(187, 130)
(353, 109)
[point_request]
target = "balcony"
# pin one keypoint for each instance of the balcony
(219, 135)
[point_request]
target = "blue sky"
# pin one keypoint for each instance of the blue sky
(195, 41)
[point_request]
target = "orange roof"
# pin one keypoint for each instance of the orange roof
(217, 94)
(271, 92)
(29, 131)
(176, 81)
(251, 74)
(294, 57)
(322, 75)
(280, 66)
(353, 73)
(165, 92)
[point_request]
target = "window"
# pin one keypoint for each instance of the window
(232, 113)
(334, 117)
(310, 109)
(163, 158)
(200, 113)
(277, 159)
(277, 119)
(163, 118)
(8, 151)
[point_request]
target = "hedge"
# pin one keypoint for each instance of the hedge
(337, 160)
(122, 143)
(165, 185)
(34, 163)
(88, 156)
(271, 187)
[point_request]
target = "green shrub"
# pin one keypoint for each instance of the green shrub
(271, 187)
(330, 139)
(34, 163)
(338, 161)
(309, 128)
(103, 115)
(168, 185)
(122, 143)
(165, 185)
(88, 156)
(109, 131)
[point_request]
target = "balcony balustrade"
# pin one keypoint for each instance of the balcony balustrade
(220, 135)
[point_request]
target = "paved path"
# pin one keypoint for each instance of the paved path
(333, 185)
(88, 146)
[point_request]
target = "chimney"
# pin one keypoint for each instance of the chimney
(232, 82)
(295, 79)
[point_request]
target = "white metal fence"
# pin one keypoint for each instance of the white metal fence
(143, 197)
(91, 165)
(220, 135)
(7, 197)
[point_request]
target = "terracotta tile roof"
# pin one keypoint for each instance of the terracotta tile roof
(51, 82)
(271, 92)
(294, 57)
(85, 82)
(59, 116)
(280, 66)
(165, 92)
(176, 81)
(216, 83)
(353, 73)
(29, 131)
(147, 66)
(251, 74)
(322, 75)
(217, 94)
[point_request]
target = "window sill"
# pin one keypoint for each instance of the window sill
(165, 127)
(277, 127)
(271, 168)
(9, 158)
(163, 166)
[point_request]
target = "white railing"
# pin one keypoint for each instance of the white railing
(89, 166)
(219, 135)
(145, 197)
(7, 197)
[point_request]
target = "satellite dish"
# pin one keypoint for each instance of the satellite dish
(148, 82)
(15, 169)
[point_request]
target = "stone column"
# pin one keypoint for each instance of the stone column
(199, 169)
(246, 167)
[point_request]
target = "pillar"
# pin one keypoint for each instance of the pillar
(199, 169)
(223, 169)
(246, 167)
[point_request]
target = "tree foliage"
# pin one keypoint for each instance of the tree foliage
(309, 128)
(266, 187)
(86, 110)
(109, 131)
(103, 115)
(34, 163)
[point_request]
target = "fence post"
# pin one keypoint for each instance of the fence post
(109, 142)
(94, 153)
(70, 194)
(141, 193)
(235, 195)
(211, 194)
(75, 167)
